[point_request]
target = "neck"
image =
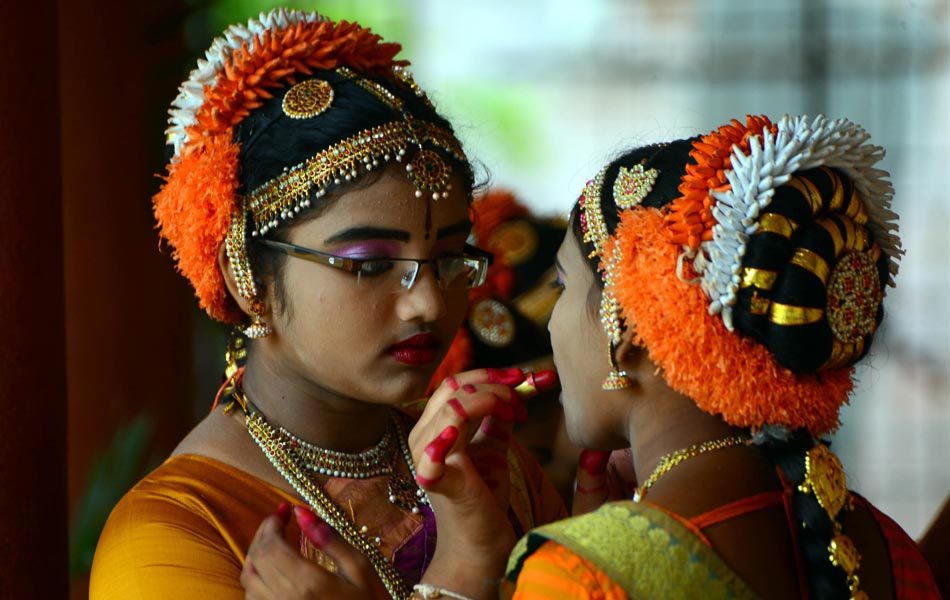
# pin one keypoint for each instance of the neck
(660, 424)
(312, 413)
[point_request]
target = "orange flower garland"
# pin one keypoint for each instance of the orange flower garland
(724, 373)
(690, 220)
(274, 60)
(200, 193)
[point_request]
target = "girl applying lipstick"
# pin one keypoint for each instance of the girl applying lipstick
(318, 203)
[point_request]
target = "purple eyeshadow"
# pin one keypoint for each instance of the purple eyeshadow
(368, 249)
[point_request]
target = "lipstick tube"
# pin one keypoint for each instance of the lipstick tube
(535, 383)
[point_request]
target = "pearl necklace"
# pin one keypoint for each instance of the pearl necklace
(369, 463)
(668, 461)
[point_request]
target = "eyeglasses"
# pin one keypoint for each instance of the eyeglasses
(393, 275)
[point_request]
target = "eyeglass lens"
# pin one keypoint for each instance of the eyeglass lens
(454, 273)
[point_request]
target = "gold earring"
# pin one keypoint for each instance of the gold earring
(258, 328)
(617, 380)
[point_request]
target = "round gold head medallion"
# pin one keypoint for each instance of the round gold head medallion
(308, 99)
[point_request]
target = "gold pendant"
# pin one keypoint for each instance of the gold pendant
(404, 493)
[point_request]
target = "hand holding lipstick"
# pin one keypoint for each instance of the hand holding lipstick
(460, 448)
(478, 407)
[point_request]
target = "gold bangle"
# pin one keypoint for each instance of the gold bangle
(427, 591)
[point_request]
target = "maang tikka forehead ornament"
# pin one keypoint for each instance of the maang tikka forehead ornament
(200, 205)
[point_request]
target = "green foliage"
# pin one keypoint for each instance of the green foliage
(388, 18)
(116, 470)
(508, 113)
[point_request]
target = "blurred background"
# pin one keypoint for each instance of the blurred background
(542, 94)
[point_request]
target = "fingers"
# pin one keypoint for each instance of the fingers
(463, 404)
(489, 452)
(591, 485)
(337, 555)
(429, 469)
(268, 567)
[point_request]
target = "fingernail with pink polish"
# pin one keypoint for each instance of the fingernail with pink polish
(594, 461)
(505, 376)
(304, 517)
(439, 447)
(319, 533)
(425, 481)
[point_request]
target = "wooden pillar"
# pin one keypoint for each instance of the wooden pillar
(128, 314)
(32, 352)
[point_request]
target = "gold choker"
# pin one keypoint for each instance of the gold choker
(668, 461)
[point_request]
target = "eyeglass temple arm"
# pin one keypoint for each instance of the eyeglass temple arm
(347, 264)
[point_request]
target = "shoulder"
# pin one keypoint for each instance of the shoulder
(554, 571)
(186, 524)
(644, 550)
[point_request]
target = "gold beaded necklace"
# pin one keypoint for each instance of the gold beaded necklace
(668, 461)
(286, 458)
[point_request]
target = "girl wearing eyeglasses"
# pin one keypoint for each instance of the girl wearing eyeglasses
(319, 204)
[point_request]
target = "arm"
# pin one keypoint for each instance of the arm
(155, 548)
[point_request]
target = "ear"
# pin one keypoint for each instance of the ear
(626, 353)
(224, 265)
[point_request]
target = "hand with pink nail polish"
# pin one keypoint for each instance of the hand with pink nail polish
(602, 476)
(325, 567)
(460, 446)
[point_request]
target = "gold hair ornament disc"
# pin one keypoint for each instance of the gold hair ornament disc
(308, 99)
(633, 185)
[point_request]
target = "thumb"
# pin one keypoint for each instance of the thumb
(591, 485)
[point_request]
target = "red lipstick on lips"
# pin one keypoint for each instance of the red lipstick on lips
(420, 349)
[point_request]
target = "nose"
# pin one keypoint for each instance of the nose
(425, 300)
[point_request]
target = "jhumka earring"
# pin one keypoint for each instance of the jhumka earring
(617, 380)
(235, 245)
(258, 328)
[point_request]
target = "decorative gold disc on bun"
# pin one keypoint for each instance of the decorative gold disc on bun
(854, 297)
(492, 323)
(307, 99)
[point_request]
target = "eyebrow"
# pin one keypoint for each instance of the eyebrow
(354, 234)
(557, 265)
(460, 227)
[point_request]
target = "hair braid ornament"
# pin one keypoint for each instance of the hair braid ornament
(199, 203)
(688, 329)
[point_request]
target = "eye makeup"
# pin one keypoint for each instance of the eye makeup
(368, 249)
